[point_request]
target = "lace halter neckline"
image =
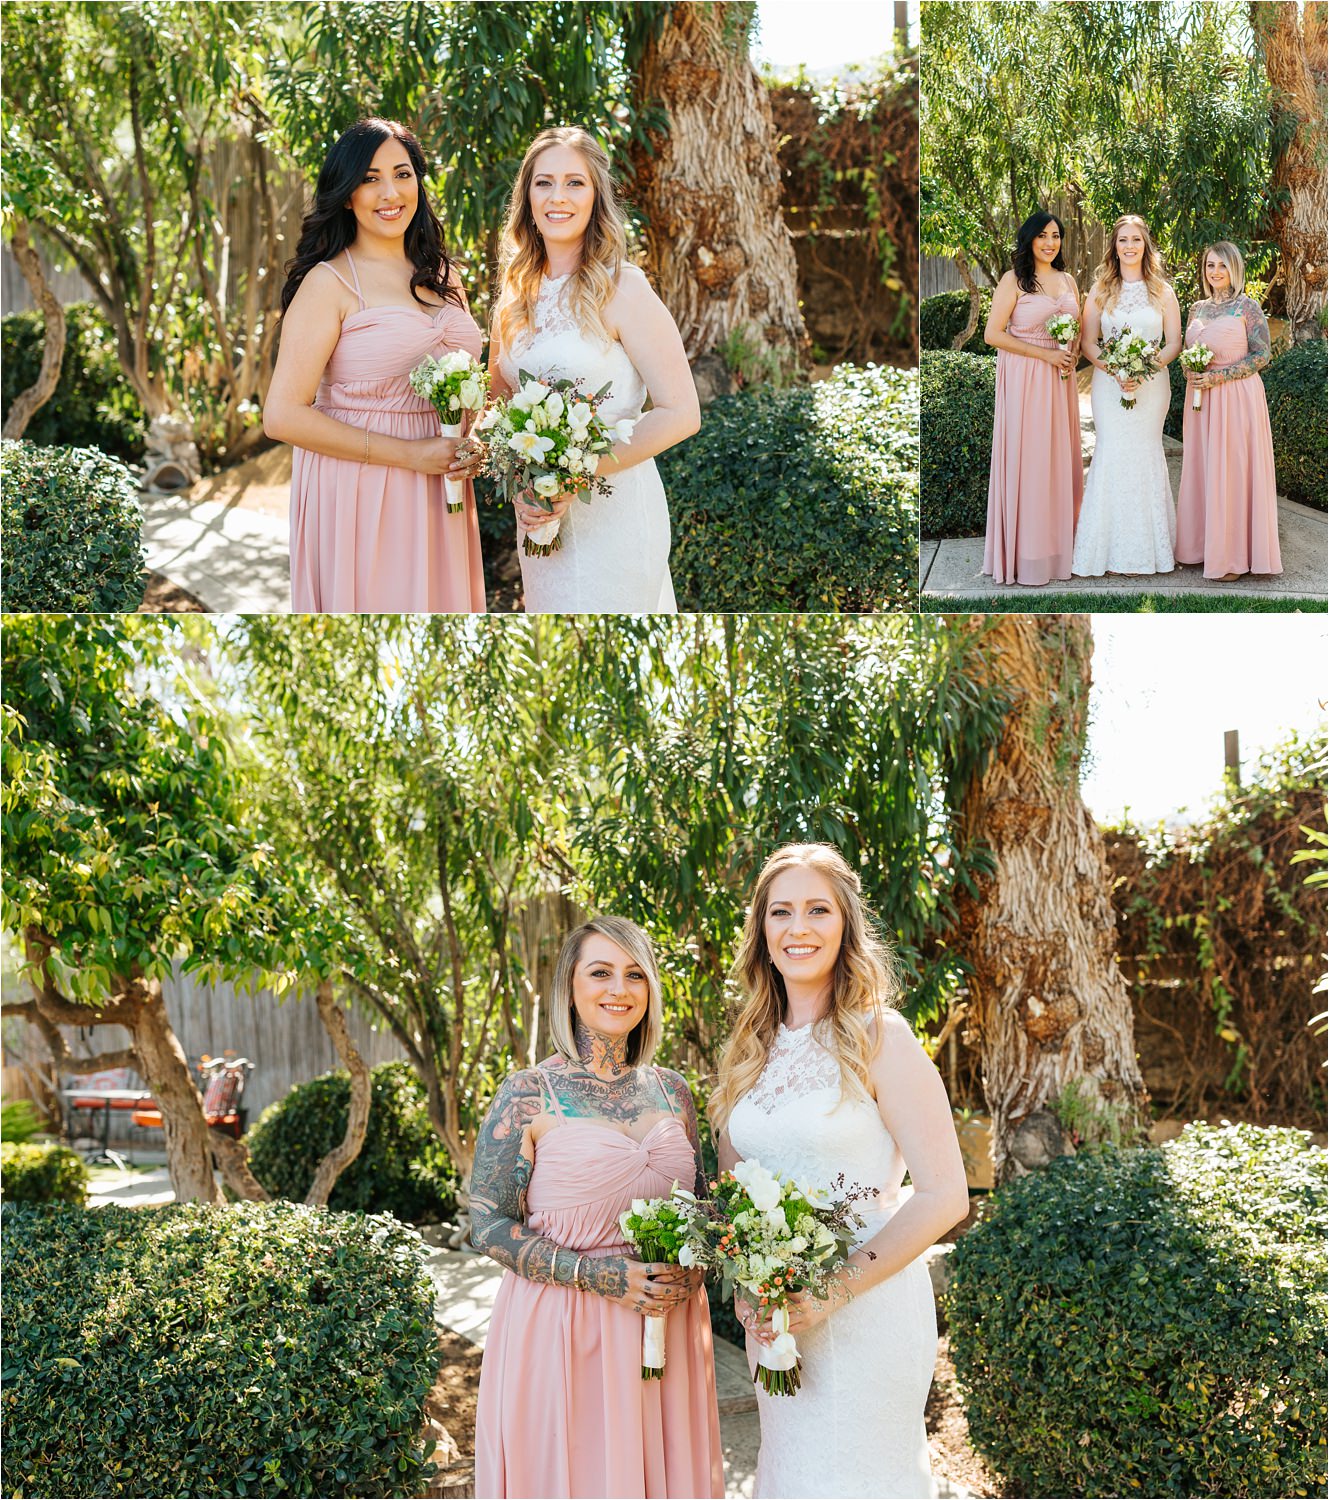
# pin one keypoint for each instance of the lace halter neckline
(797, 1064)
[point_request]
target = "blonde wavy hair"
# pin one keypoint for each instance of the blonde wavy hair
(1228, 253)
(644, 1037)
(522, 250)
(864, 983)
(1107, 278)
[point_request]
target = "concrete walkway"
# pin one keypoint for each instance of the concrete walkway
(955, 567)
(232, 558)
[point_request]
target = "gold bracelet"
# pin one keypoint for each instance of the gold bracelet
(576, 1272)
(366, 457)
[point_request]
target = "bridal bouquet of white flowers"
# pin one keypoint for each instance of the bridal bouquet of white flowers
(452, 385)
(1132, 355)
(1065, 328)
(545, 441)
(1198, 358)
(658, 1228)
(773, 1238)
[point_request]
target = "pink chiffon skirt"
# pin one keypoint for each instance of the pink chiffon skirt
(367, 538)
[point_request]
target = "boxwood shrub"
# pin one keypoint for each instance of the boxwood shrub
(93, 405)
(803, 498)
(402, 1167)
(959, 392)
(941, 320)
(1151, 1321)
(32, 1173)
(1295, 384)
(259, 1349)
(71, 529)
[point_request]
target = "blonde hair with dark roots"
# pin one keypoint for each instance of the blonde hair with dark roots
(1228, 253)
(522, 250)
(1107, 279)
(645, 1035)
(864, 983)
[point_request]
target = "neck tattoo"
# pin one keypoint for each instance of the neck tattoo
(606, 1056)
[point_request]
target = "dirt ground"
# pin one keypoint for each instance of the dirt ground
(451, 1414)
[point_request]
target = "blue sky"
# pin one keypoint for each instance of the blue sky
(824, 33)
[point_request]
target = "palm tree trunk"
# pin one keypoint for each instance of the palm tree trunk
(1052, 1011)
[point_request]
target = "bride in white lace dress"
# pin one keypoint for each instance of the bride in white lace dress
(1128, 522)
(822, 1078)
(572, 307)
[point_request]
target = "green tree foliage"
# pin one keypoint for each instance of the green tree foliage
(130, 131)
(1158, 110)
(454, 780)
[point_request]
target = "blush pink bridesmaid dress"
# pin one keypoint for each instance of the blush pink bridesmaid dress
(1227, 511)
(365, 537)
(1036, 477)
(563, 1410)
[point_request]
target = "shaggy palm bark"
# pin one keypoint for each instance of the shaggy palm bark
(1047, 1001)
(1292, 39)
(718, 251)
(27, 403)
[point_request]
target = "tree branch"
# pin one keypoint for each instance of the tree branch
(357, 1118)
(28, 402)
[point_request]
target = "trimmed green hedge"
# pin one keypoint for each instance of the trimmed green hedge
(941, 320)
(402, 1167)
(959, 394)
(93, 405)
(30, 1173)
(805, 498)
(259, 1349)
(1150, 1322)
(1296, 386)
(72, 532)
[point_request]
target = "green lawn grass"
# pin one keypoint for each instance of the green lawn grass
(1026, 603)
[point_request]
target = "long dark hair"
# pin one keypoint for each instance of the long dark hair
(329, 226)
(1022, 262)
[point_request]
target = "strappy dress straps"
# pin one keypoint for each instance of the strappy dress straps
(547, 1088)
(667, 1092)
(356, 288)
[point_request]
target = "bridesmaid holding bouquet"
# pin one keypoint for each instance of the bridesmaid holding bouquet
(565, 1149)
(369, 294)
(1036, 478)
(1227, 512)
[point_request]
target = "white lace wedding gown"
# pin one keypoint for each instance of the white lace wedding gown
(855, 1428)
(615, 553)
(1128, 523)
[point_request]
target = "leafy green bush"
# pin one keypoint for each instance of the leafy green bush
(959, 394)
(805, 498)
(402, 1167)
(1150, 1322)
(1295, 384)
(71, 530)
(93, 405)
(259, 1349)
(941, 320)
(30, 1173)
(19, 1120)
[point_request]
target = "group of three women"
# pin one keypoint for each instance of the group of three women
(821, 1081)
(1045, 519)
(371, 292)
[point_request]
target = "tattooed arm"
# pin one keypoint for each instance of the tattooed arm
(499, 1179)
(687, 1113)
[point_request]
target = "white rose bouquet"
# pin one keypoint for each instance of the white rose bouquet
(658, 1229)
(1198, 358)
(1132, 355)
(773, 1238)
(452, 385)
(1065, 328)
(544, 441)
